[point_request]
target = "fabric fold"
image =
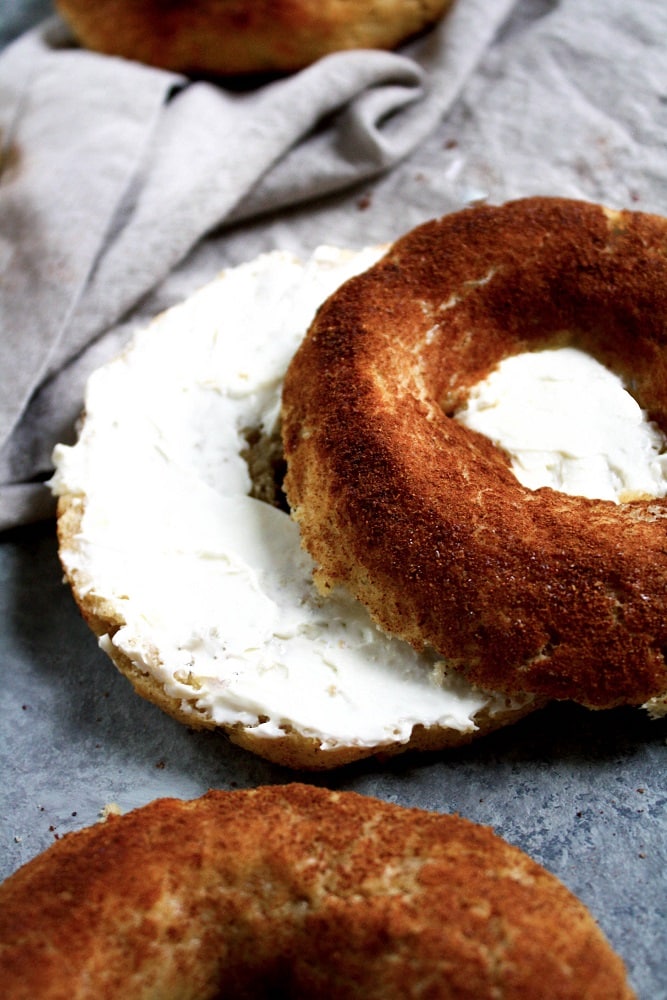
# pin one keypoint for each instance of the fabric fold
(114, 171)
(58, 190)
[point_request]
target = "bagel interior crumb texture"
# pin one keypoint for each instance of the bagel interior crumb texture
(420, 517)
(222, 37)
(298, 892)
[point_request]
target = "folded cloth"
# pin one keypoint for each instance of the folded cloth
(112, 171)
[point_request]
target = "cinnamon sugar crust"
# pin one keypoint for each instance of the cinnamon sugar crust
(421, 518)
(298, 892)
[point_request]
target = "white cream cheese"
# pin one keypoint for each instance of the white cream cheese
(212, 585)
(567, 422)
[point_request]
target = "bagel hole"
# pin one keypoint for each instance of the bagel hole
(264, 456)
(568, 422)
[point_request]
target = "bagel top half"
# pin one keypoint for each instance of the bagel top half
(421, 517)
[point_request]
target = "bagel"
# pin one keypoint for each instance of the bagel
(223, 37)
(298, 892)
(420, 517)
(173, 540)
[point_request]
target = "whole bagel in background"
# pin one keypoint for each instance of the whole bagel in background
(298, 892)
(228, 37)
(422, 518)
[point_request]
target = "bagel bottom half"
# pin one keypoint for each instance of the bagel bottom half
(189, 571)
(295, 892)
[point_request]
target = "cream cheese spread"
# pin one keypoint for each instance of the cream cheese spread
(212, 587)
(567, 422)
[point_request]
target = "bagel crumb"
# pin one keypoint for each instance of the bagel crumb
(110, 809)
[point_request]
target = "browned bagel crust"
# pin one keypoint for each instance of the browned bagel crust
(421, 518)
(298, 892)
(222, 37)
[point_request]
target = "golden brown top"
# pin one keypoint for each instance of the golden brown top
(222, 37)
(421, 517)
(300, 892)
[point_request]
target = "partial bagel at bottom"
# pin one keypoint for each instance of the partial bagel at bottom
(421, 518)
(296, 892)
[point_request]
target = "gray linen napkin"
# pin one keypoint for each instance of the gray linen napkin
(112, 171)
